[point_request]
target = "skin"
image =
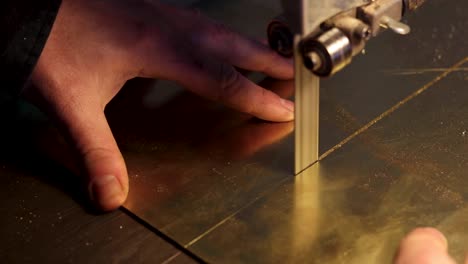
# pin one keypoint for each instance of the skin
(96, 46)
(424, 246)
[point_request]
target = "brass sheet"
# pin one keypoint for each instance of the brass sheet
(187, 174)
(406, 170)
(196, 164)
(43, 217)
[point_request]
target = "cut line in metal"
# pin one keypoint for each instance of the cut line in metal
(395, 107)
(342, 143)
(423, 71)
(167, 238)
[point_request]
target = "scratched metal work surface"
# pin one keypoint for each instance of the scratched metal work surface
(43, 216)
(199, 171)
(354, 206)
(196, 165)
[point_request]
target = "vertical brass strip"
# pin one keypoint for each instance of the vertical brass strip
(307, 99)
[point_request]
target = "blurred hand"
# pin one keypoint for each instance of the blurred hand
(96, 46)
(424, 246)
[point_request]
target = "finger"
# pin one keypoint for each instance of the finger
(213, 38)
(264, 41)
(423, 246)
(102, 161)
(222, 83)
(82, 120)
(284, 89)
(242, 51)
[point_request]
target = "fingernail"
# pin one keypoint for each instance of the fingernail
(423, 233)
(442, 239)
(288, 104)
(104, 189)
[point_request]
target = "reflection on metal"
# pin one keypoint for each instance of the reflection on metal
(385, 114)
(405, 171)
(187, 183)
(396, 26)
(307, 99)
(42, 215)
(226, 162)
(306, 213)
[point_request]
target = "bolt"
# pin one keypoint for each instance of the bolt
(313, 61)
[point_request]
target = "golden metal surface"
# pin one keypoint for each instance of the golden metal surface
(405, 170)
(187, 184)
(44, 217)
(197, 165)
(220, 183)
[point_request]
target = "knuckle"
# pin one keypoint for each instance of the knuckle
(218, 28)
(229, 82)
(136, 33)
(98, 153)
(260, 101)
(195, 13)
(219, 32)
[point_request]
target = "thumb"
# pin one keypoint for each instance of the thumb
(75, 96)
(423, 246)
(102, 164)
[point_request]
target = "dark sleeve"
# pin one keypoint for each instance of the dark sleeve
(24, 28)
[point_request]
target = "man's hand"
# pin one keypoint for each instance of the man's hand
(96, 46)
(424, 246)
